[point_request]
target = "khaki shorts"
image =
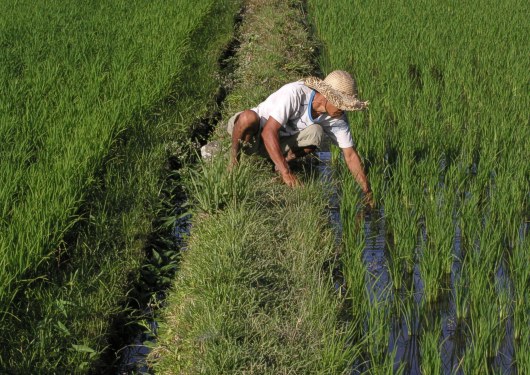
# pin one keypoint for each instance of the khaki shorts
(310, 136)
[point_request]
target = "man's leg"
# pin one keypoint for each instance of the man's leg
(299, 153)
(303, 143)
(243, 127)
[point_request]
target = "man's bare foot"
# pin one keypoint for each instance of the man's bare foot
(290, 156)
(232, 164)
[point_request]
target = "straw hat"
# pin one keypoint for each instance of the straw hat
(339, 88)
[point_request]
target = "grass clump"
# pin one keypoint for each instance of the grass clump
(211, 187)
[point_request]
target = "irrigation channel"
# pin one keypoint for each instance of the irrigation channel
(132, 356)
(135, 333)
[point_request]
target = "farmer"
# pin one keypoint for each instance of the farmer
(290, 123)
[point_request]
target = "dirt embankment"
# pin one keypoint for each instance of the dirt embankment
(253, 294)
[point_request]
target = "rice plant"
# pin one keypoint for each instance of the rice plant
(446, 156)
(381, 361)
(431, 359)
(403, 216)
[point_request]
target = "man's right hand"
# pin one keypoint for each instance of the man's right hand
(368, 199)
(290, 179)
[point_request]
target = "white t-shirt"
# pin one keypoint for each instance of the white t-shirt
(290, 106)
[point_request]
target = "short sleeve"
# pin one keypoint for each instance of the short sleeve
(283, 104)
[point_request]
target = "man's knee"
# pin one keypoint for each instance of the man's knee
(248, 121)
(245, 121)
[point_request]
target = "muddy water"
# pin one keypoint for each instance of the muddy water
(132, 357)
(405, 334)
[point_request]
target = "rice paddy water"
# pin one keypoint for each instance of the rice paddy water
(445, 143)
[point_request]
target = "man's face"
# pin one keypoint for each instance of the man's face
(333, 111)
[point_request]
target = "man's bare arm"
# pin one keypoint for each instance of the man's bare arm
(353, 161)
(271, 139)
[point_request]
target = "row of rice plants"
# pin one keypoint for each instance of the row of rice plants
(73, 77)
(62, 320)
(445, 143)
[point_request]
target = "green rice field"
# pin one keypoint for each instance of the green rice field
(444, 258)
(93, 94)
(103, 106)
(69, 91)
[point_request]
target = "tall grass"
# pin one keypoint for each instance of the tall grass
(253, 294)
(73, 76)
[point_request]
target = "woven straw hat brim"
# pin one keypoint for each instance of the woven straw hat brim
(335, 97)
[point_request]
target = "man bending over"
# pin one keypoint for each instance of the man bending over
(291, 122)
